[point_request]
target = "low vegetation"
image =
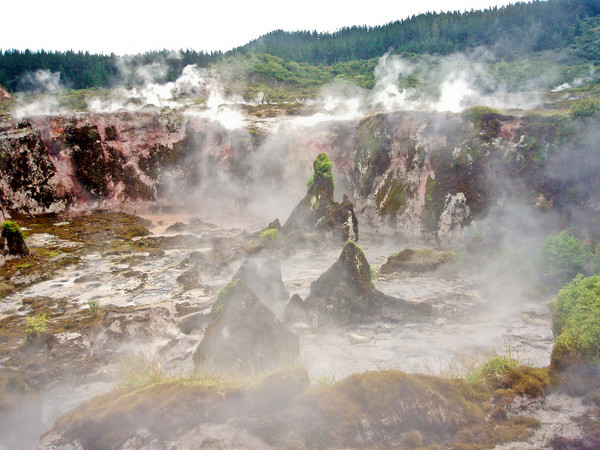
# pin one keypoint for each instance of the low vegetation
(563, 256)
(576, 322)
(36, 326)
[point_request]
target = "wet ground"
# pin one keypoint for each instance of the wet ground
(466, 324)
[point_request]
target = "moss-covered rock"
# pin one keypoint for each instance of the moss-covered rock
(318, 213)
(376, 409)
(12, 241)
(345, 294)
(245, 336)
(420, 260)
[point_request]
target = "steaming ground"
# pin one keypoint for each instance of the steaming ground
(467, 323)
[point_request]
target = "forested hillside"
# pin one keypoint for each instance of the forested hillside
(564, 32)
(512, 31)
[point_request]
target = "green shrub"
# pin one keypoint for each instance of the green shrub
(562, 257)
(576, 321)
(586, 107)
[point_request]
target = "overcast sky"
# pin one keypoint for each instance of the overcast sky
(133, 26)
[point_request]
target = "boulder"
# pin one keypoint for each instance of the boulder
(345, 293)
(245, 336)
(318, 212)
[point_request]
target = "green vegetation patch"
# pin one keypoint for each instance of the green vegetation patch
(576, 322)
(270, 233)
(586, 107)
(36, 325)
(223, 295)
(562, 257)
(12, 227)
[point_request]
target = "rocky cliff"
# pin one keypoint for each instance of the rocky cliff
(422, 173)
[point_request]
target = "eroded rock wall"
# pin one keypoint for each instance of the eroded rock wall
(421, 173)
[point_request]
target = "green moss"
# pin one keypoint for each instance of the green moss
(479, 113)
(12, 227)
(393, 403)
(271, 233)
(392, 196)
(223, 295)
(434, 205)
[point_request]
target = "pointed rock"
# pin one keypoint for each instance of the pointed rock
(262, 273)
(318, 211)
(245, 336)
(345, 293)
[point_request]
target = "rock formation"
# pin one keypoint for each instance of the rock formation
(12, 242)
(345, 294)
(318, 212)
(245, 336)
(421, 260)
(419, 173)
(262, 274)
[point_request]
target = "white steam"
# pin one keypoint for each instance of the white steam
(39, 83)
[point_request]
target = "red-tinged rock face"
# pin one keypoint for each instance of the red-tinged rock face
(398, 169)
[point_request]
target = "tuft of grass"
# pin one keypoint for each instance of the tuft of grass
(141, 371)
(325, 379)
(493, 370)
(93, 304)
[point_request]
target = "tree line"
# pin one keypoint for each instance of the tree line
(83, 70)
(510, 31)
(567, 29)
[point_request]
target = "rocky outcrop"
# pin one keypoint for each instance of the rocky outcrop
(345, 294)
(115, 161)
(245, 336)
(424, 174)
(318, 213)
(262, 274)
(12, 242)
